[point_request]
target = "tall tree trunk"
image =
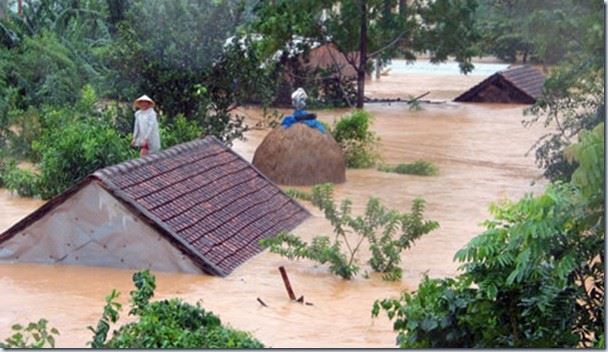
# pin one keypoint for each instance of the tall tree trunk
(362, 55)
(402, 7)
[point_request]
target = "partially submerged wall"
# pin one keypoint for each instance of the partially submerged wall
(94, 228)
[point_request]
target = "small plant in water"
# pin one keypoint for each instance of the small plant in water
(388, 233)
(418, 167)
(34, 335)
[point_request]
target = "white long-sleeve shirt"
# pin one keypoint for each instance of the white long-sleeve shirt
(146, 127)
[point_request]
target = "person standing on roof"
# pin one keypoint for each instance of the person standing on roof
(146, 134)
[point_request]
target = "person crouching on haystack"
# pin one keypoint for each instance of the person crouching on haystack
(298, 101)
(146, 134)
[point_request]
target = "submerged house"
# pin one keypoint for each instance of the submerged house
(196, 207)
(521, 85)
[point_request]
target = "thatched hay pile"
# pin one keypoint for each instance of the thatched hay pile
(300, 156)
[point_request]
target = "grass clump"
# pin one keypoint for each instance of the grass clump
(418, 167)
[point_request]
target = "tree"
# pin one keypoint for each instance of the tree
(363, 30)
(534, 278)
(573, 94)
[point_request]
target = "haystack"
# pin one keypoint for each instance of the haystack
(300, 156)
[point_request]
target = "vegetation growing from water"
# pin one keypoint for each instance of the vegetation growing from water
(34, 335)
(388, 232)
(169, 323)
(352, 132)
(297, 194)
(534, 278)
(418, 167)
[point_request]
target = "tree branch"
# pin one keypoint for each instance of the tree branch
(387, 46)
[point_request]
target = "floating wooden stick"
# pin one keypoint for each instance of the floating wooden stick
(262, 302)
(292, 296)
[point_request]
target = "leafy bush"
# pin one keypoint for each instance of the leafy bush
(170, 323)
(71, 142)
(71, 153)
(179, 131)
(357, 141)
(534, 278)
(378, 226)
(38, 333)
(24, 182)
(418, 167)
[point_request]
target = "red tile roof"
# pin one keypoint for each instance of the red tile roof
(204, 197)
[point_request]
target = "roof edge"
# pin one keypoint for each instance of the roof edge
(44, 209)
(467, 94)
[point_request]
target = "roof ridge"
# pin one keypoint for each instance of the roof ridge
(131, 164)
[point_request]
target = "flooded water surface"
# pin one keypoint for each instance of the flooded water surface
(479, 150)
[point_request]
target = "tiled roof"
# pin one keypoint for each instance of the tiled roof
(205, 198)
(521, 84)
(526, 78)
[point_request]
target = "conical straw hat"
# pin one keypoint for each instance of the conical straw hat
(143, 98)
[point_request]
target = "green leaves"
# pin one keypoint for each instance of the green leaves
(170, 323)
(359, 144)
(418, 167)
(34, 335)
(534, 278)
(379, 226)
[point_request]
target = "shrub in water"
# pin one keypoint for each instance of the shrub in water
(418, 167)
(388, 233)
(34, 335)
(357, 141)
(169, 323)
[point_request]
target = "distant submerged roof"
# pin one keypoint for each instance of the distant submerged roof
(521, 84)
(202, 196)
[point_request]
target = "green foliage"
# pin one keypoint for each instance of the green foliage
(168, 323)
(418, 167)
(359, 144)
(184, 68)
(370, 29)
(34, 335)
(380, 227)
(431, 317)
(24, 182)
(573, 94)
(69, 143)
(542, 32)
(534, 278)
(297, 194)
(180, 130)
(72, 153)
(388, 233)
(109, 316)
(321, 250)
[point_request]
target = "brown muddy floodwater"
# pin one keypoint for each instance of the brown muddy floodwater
(479, 149)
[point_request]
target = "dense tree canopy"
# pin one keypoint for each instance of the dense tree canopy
(372, 29)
